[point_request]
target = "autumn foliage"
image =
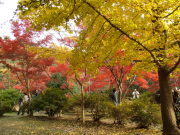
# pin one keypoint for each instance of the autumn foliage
(29, 68)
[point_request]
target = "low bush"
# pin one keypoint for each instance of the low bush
(97, 104)
(75, 101)
(8, 98)
(94, 102)
(145, 112)
(120, 113)
(52, 101)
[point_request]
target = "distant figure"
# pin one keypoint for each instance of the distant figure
(23, 104)
(25, 98)
(175, 93)
(157, 96)
(20, 104)
(135, 94)
(114, 97)
(37, 92)
(176, 100)
(20, 101)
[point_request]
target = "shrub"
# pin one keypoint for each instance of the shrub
(97, 104)
(74, 104)
(94, 102)
(145, 111)
(120, 113)
(8, 98)
(76, 101)
(52, 100)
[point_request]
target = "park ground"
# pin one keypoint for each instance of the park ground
(12, 124)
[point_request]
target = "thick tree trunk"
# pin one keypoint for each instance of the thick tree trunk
(167, 110)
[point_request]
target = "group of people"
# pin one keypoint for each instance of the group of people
(24, 102)
(175, 95)
(136, 94)
(114, 96)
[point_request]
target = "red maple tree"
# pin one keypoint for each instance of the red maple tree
(29, 69)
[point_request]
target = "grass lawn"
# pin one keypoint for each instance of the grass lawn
(11, 124)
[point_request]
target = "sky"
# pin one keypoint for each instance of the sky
(7, 9)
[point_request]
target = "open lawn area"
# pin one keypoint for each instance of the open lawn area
(12, 124)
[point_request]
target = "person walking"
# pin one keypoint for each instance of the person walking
(114, 97)
(135, 94)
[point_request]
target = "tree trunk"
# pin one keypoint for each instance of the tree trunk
(28, 89)
(167, 109)
(82, 105)
(30, 111)
(119, 93)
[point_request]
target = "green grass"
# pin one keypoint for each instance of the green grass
(11, 124)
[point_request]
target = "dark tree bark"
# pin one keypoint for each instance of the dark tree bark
(167, 109)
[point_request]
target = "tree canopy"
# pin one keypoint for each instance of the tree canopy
(149, 27)
(146, 30)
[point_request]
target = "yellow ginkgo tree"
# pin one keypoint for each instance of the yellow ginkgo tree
(147, 30)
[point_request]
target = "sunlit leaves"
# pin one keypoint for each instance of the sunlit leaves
(60, 53)
(151, 27)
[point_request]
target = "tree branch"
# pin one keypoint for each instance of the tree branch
(129, 84)
(175, 66)
(171, 12)
(123, 32)
(78, 80)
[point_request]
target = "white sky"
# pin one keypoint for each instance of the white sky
(7, 8)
